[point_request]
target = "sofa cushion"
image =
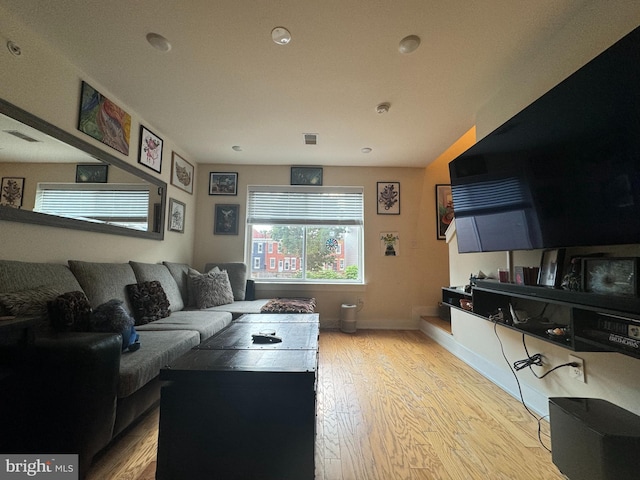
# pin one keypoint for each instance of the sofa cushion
(212, 289)
(102, 282)
(205, 322)
(179, 272)
(70, 312)
(148, 301)
(146, 272)
(30, 302)
(159, 349)
(237, 272)
(237, 309)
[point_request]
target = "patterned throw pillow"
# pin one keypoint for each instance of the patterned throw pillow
(70, 312)
(148, 301)
(289, 305)
(192, 273)
(32, 302)
(212, 289)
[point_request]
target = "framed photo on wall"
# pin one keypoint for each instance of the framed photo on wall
(388, 198)
(225, 219)
(177, 212)
(150, 154)
(12, 191)
(444, 210)
(91, 173)
(181, 173)
(306, 176)
(223, 183)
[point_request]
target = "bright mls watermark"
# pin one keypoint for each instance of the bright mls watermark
(51, 467)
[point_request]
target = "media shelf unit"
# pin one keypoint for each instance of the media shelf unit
(593, 322)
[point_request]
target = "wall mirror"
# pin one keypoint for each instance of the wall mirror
(50, 177)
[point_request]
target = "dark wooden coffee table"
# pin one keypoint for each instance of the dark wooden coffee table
(234, 409)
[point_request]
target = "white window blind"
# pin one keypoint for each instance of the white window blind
(126, 204)
(305, 205)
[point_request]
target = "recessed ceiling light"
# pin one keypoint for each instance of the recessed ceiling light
(158, 42)
(383, 108)
(237, 148)
(366, 150)
(409, 44)
(281, 35)
(14, 48)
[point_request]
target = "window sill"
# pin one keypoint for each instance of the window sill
(309, 287)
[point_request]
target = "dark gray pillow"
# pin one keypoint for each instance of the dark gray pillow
(212, 289)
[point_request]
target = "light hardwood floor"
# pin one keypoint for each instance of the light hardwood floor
(391, 405)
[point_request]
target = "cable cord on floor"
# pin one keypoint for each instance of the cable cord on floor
(538, 419)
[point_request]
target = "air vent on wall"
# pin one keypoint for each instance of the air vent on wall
(21, 136)
(310, 138)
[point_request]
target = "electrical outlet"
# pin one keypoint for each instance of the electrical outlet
(578, 371)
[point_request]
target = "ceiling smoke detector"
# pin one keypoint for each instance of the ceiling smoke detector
(383, 108)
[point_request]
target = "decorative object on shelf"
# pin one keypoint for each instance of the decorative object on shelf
(150, 154)
(388, 198)
(573, 278)
(551, 267)
(444, 210)
(91, 173)
(611, 276)
(176, 215)
(225, 220)
(181, 173)
(306, 176)
(103, 120)
(390, 243)
(12, 191)
(223, 183)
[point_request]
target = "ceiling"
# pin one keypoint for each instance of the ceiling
(225, 83)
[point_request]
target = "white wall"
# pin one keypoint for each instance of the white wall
(46, 84)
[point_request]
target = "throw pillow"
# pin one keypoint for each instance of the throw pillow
(148, 301)
(31, 302)
(191, 288)
(237, 272)
(70, 312)
(213, 289)
(113, 317)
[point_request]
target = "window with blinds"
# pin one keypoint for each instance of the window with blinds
(305, 234)
(124, 205)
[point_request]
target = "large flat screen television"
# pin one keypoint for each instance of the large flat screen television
(563, 172)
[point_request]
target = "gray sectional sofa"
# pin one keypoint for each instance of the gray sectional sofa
(75, 391)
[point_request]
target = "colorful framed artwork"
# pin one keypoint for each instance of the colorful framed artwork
(388, 198)
(177, 212)
(181, 173)
(223, 183)
(103, 120)
(91, 173)
(306, 176)
(12, 191)
(444, 210)
(225, 219)
(150, 154)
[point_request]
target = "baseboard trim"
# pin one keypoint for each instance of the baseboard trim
(501, 376)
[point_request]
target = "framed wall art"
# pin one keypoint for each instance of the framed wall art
(12, 191)
(444, 210)
(176, 218)
(181, 173)
(223, 183)
(103, 120)
(388, 198)
(611, 276)
(551, 268)
(306, 176)
(150, 154)
(91, 173)
(225, 219)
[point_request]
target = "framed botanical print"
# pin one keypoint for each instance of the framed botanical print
(150, 153)
(12, 191)
(388, 198)
(176, 215)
